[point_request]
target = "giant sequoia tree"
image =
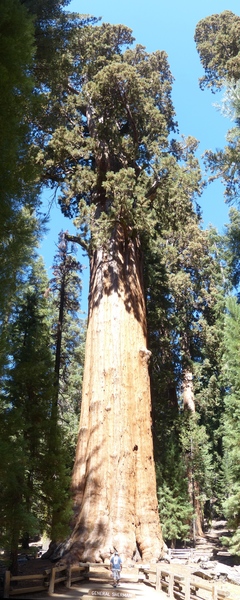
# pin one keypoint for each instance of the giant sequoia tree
(107, 149)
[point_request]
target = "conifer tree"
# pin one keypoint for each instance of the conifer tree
(37, 479)
(231, 421)
(66, 344)
(231, 244)
(217, 40)
(185, 301)
(68, 351)
(36, 442)
(18, 187)
(26, 396)
(16, 56)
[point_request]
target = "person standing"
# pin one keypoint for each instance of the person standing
(116, 567)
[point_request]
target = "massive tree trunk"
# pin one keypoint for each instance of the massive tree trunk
(114, 483)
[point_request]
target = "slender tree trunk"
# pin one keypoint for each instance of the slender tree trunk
(14, 546)
(114, 482)
(193, 487)
(188, 393)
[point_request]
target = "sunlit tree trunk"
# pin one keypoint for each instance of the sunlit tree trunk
(114, 482)
(188, 392)
(193, 486)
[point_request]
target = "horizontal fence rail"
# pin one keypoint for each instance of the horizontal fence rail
(49, 579)
(182, 586)
(177, 586)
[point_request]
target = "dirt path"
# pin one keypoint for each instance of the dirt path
(136, 589)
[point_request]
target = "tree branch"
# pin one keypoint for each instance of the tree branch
(153, 188)
(77, 239)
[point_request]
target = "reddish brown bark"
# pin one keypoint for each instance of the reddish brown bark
(114, 481)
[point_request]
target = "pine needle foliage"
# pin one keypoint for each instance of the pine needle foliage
(26, 397)
(108, 147)
(231, 426)
(175, 513)
(217, 40)
(68, 339)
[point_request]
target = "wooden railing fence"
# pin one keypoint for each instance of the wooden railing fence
(182, 586)
(181, 553)
(159, 576)
(45, 581)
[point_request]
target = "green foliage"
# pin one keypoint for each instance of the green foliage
(176, 512)
(18, 187)
(37, 461)
(68, 348)
(16, 244)
(37, 436)
(185, 270)
(231, 425)
(16, 54)
(208, 382)
(234, 543)
(217, 39)
(175, 505)
(224, 164)
(197, 451)
(232, 248)
(186, 464)
(108, 152)
(26, 397)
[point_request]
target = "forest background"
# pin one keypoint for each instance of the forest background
(193, 326)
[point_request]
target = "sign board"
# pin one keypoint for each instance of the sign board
(104, 597)
(108, 593)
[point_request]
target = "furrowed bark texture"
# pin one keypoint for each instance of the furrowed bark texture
(114, 481)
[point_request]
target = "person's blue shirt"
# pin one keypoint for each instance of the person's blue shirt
(116, 561)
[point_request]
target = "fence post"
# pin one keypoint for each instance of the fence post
(170, 586)
(187, 587)
(158, 578)
(7, 579)
(87, 572)
(52, 581)
(214, 591)
(69, 573)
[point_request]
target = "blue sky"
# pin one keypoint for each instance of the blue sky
(167, 25)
